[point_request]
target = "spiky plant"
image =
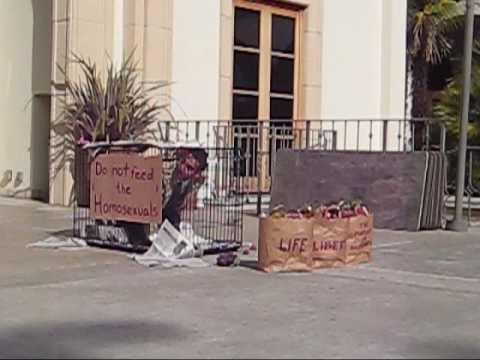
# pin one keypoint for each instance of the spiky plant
(448, 109)
(121, 107)
(112, 106)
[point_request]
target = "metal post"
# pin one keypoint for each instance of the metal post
(197, 130)
(385, 135)
(459, 223)
(307, 130)
(443, 138)
(167, 131)
(259, 164)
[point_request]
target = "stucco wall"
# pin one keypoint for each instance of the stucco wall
(85, 28)
(16, 39)
(353, 64)
(352, 58)
(363, 69)
(91, 28)
(196, 57)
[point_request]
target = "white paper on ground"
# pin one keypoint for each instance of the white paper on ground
(171, 243)
(154, 258)
(170, 248)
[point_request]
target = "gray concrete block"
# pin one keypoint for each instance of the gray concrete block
(391, 184)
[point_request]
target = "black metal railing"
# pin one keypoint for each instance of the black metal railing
(471, 200)
(472, 185)
(259, 141)
(338, 134)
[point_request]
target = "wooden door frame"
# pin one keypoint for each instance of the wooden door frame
(267, 8)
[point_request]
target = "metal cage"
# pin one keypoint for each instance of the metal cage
(213, 211)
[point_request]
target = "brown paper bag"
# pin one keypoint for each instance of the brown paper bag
(360, 240)
(285, 245)
(329, 243)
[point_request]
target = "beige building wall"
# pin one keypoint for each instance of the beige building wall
(196, 57)
(16, 37)
(148, 32)
(353, 59)
(394, 84)
(61, 22)
(352, 62)
(87, 28)
(352, 66)
(364, 55)
(25, 49)
(82, 27)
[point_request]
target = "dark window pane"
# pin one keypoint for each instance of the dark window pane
(245, 76)
(283, 34)
(245, 107)
(281, 109)
(247, 28)
(282, 75)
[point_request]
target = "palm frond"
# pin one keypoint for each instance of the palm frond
(430, 22)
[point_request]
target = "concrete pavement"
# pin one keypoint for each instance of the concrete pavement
(419, 298)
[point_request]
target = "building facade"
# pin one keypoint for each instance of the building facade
(226, 59)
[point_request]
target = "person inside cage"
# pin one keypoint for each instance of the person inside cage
(186, 179)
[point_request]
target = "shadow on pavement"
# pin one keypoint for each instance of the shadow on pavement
(62, 233)
(79, 340)
(249, 264)
(448, 349)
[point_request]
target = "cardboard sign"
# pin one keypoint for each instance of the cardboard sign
(329, 242)
(126, 187)
(305, 244)
(285, 245)
(360, 240)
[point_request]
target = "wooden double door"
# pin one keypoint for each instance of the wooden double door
(266, 71)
